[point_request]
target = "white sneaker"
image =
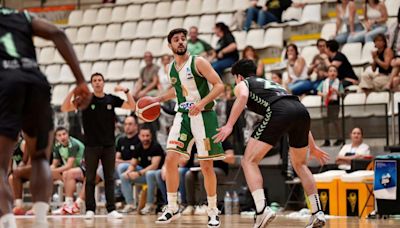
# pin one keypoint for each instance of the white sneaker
(317, 220)
(128, 209)
(168, 216)
(114, 215)
(58, 211)
(148, 209)
(89, 215)
(263, 218)
(189, 210)
(200, 210)
(213, 218)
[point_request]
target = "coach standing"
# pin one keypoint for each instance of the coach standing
(99, 124)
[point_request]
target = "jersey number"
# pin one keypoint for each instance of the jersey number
(8, 42)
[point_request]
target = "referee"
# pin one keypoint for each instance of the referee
(99, 124)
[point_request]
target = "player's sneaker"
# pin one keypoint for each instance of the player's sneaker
(263, 218)
(114, 215)
(128, 209)
(89, 215)
(59, 211)
(168, 216)
(19, 211)
(71, 210)
(189, 210)
(148, 210)
(213, 218)
(317, 220)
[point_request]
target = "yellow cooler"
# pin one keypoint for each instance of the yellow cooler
(355, 193)
(327, 185)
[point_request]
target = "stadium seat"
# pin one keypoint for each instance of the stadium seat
(209, 7)
(138, 48)
(133, 13)
(79, 51)
(89, 17)
(91, 52)
(148, 11)
(174, 23)
(292, 14)
(143, 29)
(46, 55)
(273, 37)
(240, 37)
(131, 69)
(308, 53)
(52, 73)
(205, 37)
(354, 104)
(371, 109)
(193, 7)
(190, 21)
(39, 42)
(128, 30)
(66, 75)
(352, 52)
(311, 13)
(84, 34)
(178, 8)
(71, 33)
(366, 56)
(392, 7)
(163, 9)
(159, 28)
(165, 49)
(154, 46)
(122, 49)
(206, 23)
(86, 70)
(113, 32)
(115, 70)
(313, 104)
(239, 5)
(109, 87)
(396, 100)
(225, 17)
(100, 67)
(225, 6)
(215, 38)
(75, 18)
(255, 38)
(98, 33)
(107, 50)
(328, 31)
(118, 14)
(104, 16)
(57, 57)
(59, 93)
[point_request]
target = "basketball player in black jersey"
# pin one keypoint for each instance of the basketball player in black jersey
(25, 104)
(283, 113)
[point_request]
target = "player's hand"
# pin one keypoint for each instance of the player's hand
(119, 88)
(222, 134)
(195, 109)
(141, 94)
(133, 175)
(82, 96)
(319, 154)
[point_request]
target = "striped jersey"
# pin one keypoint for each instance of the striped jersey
(190, 86)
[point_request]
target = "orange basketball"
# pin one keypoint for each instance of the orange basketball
(148, 109)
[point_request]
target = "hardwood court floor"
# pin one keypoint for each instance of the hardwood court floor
(236, 221)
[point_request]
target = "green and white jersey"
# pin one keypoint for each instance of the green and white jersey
(190, 86)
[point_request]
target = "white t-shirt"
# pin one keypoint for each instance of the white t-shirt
(348, 150)
(163, 79)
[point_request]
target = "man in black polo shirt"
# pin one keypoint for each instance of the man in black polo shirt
(99, 124)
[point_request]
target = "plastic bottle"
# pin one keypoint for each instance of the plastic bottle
(56, 201)
(235, 203)
(228, 203)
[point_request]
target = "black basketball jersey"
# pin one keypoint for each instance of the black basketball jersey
(16, 44)
(262, 93)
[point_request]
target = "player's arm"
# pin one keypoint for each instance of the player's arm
(315, 151)
(69, 165)
(242, 95)
(205, 69)
(55, 163)
(168, 95)
(155, 162)
(152, 85)
(130, 102)
(68, 105)
(118, 158)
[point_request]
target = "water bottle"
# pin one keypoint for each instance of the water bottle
(179, 198)
(228, 203)
(235, 203)
(56, 201)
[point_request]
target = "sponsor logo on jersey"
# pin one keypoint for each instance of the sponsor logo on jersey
(183, 137)
(109, 107)
(174, 142)
(186, 105)
(93, 106)
(189, 74)
(173, 81)
(132, 147)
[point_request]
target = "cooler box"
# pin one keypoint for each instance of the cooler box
(386, 184)
(327, 185)
(355, 193)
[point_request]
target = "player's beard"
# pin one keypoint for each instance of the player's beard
(181, 52)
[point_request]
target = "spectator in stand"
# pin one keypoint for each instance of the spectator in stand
(394, 43)
(226, 52)
(221, 169)
(381, 57)
(277, 78)
(331, 90)
(317, 69)
(353, 150)
(298, 80)
(198, 46)
(250, 53)
(148, 155)
(270, 12)
(126, 145)
(346, 14)
(67, 153)
(375, 17)
(334, 57)
(146, 85)
(163, 77)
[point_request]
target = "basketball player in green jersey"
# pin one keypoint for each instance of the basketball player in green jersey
(195, 84)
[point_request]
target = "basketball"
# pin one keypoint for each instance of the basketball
(148, 109)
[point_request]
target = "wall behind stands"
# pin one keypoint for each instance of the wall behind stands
(19, 4)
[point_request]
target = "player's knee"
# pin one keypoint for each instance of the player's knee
(298, 163)
(207, 166)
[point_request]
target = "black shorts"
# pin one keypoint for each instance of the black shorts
(25, 105)
(284, 116)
